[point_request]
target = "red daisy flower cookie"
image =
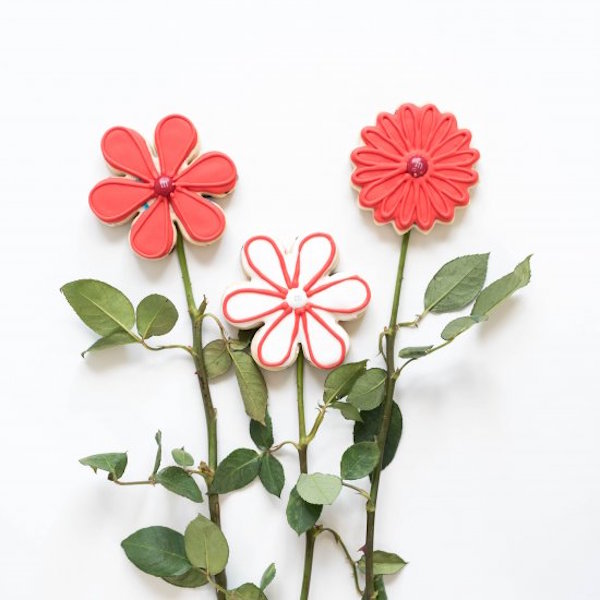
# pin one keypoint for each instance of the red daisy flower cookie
(415, 168)
(164, 188)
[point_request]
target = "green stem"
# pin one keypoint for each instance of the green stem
(390, 343)
(346, 552)
(210, 413)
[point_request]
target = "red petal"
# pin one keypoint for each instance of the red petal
(407, 117)
(405, 214)
(117, 199)
(126, 151)
(377, 138)
(430, 117)
(366, 156)
(387, 209)
(213, 173)
(375, 192)
(458, 193)
(389, 124)
(440, 203)
(152, 233)
(175, 138)
(425, 214)
(460, 175)
(202, 220)
(444, 127)
(456, 142)
(464, 158)
(364, 175)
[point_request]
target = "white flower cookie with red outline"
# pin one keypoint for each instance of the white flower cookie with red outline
(297, 300)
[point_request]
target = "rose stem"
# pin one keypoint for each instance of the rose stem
(390, 384)
(196, 314)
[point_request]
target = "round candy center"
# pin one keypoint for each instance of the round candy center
(416, 166)
(164, 185)
(296, 298)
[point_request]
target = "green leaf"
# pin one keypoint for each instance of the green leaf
(116, 338)
(460, 325)
(502, 288)
(248, 591)
(113, 462)
(268, 576)
(319, 488)
(369, 428)
(456, 284)
(262, 435)
(339, 382)
(176, 480)
(359, 460)
(155, 315)
(252, 385)
(349, 412)
(158, 551)
(182, 458)
(103, 308)
(368, 390)
(301, 515)
(380, 588)
(158, 459)
(235, 471)
(415, 351)
(271, 474)
(216, 358)
(384, 563)
(241, 344)
(192, 579)
(206, 546)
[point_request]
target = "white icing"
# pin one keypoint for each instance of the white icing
(296, 298)
(346, 293)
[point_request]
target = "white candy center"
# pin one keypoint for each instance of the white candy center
(296, 298)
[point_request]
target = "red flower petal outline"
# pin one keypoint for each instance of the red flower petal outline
(212, 173)
(117, 199)
(415, 168)
(152, 233)
(264, 303)
(326, 343)
(275, 344)
(175, 139)
(126, 151)
(201, 220)
(261, 256)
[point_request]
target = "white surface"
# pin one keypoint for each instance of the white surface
(495, 492)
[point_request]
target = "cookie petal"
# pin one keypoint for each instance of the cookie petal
(317, 255)
(153, 233)
(248, 304)
(117, 199)
(175, 139)
(345, 296)
(202, 221)
(262, 259)
(212, 173)
(126, 151)
(275, 345)
(323, 340)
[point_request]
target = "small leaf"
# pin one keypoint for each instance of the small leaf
(182, 458)
(155, 315)
(319, 488)
(301, 515)
(502, 288)
(368, 390)
(216, 358)
(384, 563)
(268, 576)
(103, 308)
(262, 435)
(359, 460)
(271, 474)
(176, 480)
(235, 471)
(238, 344)
(367, 430)
(206, 546)
(415, 351)
(194, 578)
(380, 588)
(456, 284)
(112, 462)
(252, 385)
(116, 338)
(248, 591)
(158, 459)
(460, 325)
(349, 412)
(158, 551)
(339, 381)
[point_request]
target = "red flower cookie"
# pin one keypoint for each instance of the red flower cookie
(416, 167)
(163, 188)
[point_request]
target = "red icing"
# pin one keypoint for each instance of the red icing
(173, 188)
(415, 168)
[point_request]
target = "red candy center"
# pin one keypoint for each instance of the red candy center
(163, 186)
(416, 166)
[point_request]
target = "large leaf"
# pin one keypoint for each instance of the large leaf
(252, 385)
(235, 471)
(100, 306)
(112, 462)
(319, 488)
(217, 359)
(194, 578)
(339, 381)
(359, 460)
(458, 326)
(158, 551)
(262, 435)
(155, 315)
(369, 428)
(248, 591)
(380, 588)
(384, 563)
(271, 474)
(456, 284)
(368, 390)
(206, 546)
(176, 480)
(502, 288)
(182, 458)
(116, 338)
(301, 515)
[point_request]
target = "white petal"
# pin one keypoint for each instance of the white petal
(324, 342)
(317, 256)
(263, 260)
(275, 345)
(345, 296)
(248, 304)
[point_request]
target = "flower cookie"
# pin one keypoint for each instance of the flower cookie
(297, 300)
(163, 187)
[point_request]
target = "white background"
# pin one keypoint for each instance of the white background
(495, 492)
